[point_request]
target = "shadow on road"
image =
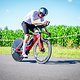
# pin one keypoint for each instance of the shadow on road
(52, 62)
(63, 62)
(30, 61)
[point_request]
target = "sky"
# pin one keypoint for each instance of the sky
(61, 12)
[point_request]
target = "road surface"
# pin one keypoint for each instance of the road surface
(55, 69)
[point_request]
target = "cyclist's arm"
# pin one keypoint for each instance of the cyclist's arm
(35, 22)
(39, 22)
(34, 19)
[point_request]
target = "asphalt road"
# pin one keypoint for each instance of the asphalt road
(55, 69)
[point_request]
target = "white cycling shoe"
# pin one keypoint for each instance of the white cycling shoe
(24, 56)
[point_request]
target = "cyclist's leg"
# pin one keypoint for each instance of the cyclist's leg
(40, 44)
(26, 28)
(32, 27)
(26, 37)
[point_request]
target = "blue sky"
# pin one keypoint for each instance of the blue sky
(61, 12)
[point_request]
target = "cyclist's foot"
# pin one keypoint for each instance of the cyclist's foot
(42, 50)
(24, 56)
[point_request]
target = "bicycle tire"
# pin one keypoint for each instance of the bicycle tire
(46, 58)
(15, 55)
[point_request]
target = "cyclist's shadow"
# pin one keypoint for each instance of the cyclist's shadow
(63, 62)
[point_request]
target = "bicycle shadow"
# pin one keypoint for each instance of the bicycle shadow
(63, 62)
(52, 62)
(29, 61)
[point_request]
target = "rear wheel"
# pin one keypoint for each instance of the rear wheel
(15, 55)
(42, 57)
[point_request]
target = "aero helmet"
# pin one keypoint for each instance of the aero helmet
(43, 10)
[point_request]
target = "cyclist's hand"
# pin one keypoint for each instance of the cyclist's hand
(45, 23)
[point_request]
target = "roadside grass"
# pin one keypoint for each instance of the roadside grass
(5, 50)
(58, 52)
(63, 52)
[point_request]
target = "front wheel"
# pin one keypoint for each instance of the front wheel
(42, 57)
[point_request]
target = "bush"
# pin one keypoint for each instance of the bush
(59, 35)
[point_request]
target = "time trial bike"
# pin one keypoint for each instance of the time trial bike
(38, 43)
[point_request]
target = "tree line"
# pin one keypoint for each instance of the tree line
(60, 35)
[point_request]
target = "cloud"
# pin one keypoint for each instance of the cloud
(70, 0)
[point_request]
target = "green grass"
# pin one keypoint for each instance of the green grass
(5, 50)
(63, 52)
(60, 52)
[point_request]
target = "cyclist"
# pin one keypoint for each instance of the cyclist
(30, 22)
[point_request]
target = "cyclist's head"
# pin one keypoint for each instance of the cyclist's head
(43, 11)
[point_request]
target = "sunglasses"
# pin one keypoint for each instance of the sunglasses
(42, 14)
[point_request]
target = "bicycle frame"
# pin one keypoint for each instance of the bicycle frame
(36, 37)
